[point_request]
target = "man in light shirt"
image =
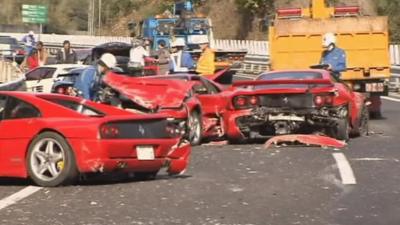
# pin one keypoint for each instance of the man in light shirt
(137, 55)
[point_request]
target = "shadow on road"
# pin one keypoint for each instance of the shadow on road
(120, 178)
(6, 181)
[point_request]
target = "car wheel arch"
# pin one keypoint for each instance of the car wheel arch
(48, 130)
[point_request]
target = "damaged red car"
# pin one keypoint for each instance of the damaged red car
(195, 102)
(54, 138)
(296, 102)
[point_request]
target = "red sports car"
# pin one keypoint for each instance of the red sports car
(198, 101)
(53, 138)
(295, 102)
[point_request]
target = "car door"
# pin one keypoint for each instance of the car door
(210, 97)
(40, 79)
(17, 128)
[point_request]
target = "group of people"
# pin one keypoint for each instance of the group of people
(173, 60)
(37, 54)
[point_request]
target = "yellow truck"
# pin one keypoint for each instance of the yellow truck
(295, 39)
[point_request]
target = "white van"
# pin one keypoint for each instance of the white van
(41, 79)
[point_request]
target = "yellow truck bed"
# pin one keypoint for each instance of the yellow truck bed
(297, 44)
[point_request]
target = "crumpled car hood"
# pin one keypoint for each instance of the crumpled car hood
(150, 93)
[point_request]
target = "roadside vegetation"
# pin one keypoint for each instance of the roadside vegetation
(247, 18)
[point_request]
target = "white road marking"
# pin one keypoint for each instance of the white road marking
(14, 198)
(345, 170)
(390, 98)
(374, 159)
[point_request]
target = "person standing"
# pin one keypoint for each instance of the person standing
(163, 58)
(89, 82)
(66, 55)
(42, 53)
(137, 55)
(181, 61)
(332, 56)
(29, 42)
(32, 61)
(206, 63)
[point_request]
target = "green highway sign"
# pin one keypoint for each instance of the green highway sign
(34, 13)
(34, 7)
(34, 20)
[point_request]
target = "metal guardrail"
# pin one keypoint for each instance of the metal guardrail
(394, 84)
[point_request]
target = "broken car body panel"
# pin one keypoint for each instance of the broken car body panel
(317, 140)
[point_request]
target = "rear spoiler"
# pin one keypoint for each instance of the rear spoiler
(272, 82)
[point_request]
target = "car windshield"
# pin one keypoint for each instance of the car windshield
(8, 40)
(289, 76)
(76, 106)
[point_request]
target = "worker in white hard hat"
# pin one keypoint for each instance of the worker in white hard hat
(89, 81)
(137, 56)
(333, 56)
(181, 61)
(29, 42)
(206, 63)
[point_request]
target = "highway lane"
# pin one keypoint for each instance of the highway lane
(238, 184)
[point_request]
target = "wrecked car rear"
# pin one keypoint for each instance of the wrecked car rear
(304, 104)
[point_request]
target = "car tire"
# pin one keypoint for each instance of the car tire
(237, 141)
(50, 161)
(342, 130)
(195, 128)
(143, 176)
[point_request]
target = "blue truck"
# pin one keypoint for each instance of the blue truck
(183, 22)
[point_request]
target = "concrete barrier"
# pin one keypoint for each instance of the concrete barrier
(9, 71)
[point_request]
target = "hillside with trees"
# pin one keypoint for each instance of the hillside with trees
(232, 19)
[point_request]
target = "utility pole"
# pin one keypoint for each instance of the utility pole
(91, 23)
(99, 18)
(93, 18)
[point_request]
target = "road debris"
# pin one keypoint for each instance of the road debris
(317, 140)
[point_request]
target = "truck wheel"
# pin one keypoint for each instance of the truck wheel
(364, 122)
(51, 161)
(195, 128)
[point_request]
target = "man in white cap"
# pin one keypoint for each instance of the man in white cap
(137, 54)
(181, 61)
(333, 56)
(29, 41)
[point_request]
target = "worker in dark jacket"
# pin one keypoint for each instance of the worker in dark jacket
(332, 56)
(89, 82)
(66, 55)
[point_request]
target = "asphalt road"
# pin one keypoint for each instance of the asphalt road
(237, 184)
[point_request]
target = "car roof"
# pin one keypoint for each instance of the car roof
(62, 66)
(325, 74)
(181, 76)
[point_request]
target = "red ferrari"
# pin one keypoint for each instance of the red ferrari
(199, 103)
(53, 138)
(295, 102)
